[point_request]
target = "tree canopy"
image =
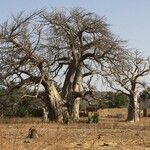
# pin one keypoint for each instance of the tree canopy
(75, 46)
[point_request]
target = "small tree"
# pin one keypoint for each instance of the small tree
(126, 76)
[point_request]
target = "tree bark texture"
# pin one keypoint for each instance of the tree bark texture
(77, 88)
(53, 101)
(71, 86)
(133, 109)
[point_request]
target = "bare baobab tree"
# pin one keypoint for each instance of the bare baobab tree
(23, 62)
(81, 41)
(126, 76)
(38, 47)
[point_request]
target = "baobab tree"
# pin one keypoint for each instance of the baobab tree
(126, 76)
(82, 42)
(37, 48)
(23, 62)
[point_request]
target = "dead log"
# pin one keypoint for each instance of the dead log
(32, 133)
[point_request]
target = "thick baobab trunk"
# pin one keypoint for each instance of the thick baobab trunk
(67, 89)
(51, 96)
(68, 83)
(56, 104)
(77, 88)
(53, 101)
(133, 109)
(71, 85)
(75, 111)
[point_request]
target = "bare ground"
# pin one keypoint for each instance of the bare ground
(108, 134)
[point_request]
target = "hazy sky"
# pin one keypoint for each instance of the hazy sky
(129, 19)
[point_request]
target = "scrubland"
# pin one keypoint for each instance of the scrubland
(111, 133)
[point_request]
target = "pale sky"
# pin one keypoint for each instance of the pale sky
(129, 19)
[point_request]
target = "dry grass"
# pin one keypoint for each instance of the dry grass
(108, 134)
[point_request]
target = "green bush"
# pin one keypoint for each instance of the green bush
(116, 100)
(13, 105)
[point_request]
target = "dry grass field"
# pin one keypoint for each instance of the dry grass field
(111, 133)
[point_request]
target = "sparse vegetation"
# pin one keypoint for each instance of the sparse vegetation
(49, 64)
(111, 133)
